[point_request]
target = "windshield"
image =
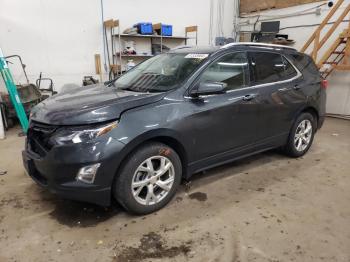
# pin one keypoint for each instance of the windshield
(160, 73)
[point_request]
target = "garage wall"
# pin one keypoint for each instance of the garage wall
(338, 93)
(60, 39)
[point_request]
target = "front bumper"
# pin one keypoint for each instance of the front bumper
(57, 170)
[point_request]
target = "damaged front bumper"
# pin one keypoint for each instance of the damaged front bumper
(57, 168)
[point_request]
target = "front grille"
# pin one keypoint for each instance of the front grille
(38, 137)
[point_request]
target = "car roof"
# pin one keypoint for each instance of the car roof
(254, 44)
(236, 45)
(194, 49)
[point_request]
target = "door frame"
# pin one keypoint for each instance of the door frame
(203, 68)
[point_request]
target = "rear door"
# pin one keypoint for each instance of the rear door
(279, 84)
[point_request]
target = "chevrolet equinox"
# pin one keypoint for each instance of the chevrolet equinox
(136, 137)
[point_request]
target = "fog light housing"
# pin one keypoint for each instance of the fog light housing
(87, 174)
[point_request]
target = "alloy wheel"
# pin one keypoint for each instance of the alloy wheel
(153, 180)
(303, 135)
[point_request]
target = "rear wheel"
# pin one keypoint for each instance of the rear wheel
(148, 179)
(301, 135)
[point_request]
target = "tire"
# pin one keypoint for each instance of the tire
(136, 177)
(292, 147)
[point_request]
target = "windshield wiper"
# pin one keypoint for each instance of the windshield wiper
(111, 82)
(154, 90)
(129, 89)
(142, 90)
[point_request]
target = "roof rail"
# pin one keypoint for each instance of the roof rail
(180, 47)
(256, 44)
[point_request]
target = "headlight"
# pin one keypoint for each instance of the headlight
(74, 135)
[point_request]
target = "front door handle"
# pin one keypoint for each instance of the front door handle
(249, 97)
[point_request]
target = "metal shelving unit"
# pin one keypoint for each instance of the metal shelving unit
(119, 36)
(151, 36)
(137, 55)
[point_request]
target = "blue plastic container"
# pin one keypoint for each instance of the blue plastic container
(167, 30)
(144, 28)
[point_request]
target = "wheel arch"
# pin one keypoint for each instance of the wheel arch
(167, 137)
(177, 146)
(313, 111)
(307, 109)
(289, 147)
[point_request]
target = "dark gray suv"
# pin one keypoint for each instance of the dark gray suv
(135, 138)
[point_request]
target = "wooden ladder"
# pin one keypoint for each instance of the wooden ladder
(336, 57)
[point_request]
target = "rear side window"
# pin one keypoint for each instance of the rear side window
(231, 69)
(270, 67)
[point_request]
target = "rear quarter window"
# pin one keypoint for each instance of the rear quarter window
(304, 62)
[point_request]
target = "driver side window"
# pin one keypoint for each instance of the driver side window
(231, 69)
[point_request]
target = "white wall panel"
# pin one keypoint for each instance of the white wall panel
(60, 38)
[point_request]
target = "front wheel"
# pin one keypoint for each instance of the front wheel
(148, 179)
(301, 135)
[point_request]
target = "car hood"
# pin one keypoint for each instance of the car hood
(87, 105)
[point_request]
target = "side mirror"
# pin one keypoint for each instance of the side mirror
(208, 88)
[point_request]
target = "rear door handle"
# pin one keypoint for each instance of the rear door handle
(296, 87)
(249, 97)
(283, 89)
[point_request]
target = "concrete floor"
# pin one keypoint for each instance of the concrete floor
(264, 208)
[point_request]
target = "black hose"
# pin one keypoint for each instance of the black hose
(295, 26)
(112, 33)
(107, 47)
(310, 25)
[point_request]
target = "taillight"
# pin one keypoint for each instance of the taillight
(324, 83)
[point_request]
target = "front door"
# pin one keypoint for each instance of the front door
(225, 123)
